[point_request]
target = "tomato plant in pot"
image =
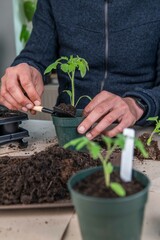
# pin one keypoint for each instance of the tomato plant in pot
(108, 207)
(66, 127)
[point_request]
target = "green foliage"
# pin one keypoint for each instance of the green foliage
(95, 151)
(25, 34)
(29, 8)
(69, 66)
(155, 130)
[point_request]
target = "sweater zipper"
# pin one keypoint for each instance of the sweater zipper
(106, 46)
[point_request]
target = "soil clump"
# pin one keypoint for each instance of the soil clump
(40, 178)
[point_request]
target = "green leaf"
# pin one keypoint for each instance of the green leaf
(82, 69)
(71, 68)
(65, 67)
(94, 149)
(118, 189)
(62, 58)
(82, 144)
(74, 142)
(51, 67)
(85, 63)
(120, 141)
(107, 140)
(25, 34)
(69, 93)
(152, 118)
(29, 9)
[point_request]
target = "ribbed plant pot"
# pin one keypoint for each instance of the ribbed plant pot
(109, 219)
(66, 127)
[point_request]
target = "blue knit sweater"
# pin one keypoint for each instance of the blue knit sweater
(77, 27)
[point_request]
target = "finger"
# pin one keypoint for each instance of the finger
(12, 86)
(125, 122)
(33, 112)
(29, 88)
(99, 98)
(93, 117)
(37, 81)
(7, 104)
(8, 99)
(103, 124)
(108, 108)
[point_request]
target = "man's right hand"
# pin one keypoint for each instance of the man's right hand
(21, 87)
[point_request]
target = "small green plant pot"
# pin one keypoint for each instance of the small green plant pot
(109, 219)
(66, 128)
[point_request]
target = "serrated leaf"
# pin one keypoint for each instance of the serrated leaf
(118, 189)
(51, 67)
(65, 67)
(71, 68)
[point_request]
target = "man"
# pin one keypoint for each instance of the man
(120, 41)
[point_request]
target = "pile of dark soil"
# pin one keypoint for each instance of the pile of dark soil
(40, 178)
(153, 150)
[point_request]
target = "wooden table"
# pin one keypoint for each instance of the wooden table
(61, 223)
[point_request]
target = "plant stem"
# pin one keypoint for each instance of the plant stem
(105, 161)
(150, 138)
(72, 89)
(106, 175)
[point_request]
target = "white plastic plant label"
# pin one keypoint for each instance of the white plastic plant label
(127, 155)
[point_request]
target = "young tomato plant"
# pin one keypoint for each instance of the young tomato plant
(155, 130)
(95, 151)
(69, 66)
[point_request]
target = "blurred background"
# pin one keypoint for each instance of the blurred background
(7, 35)
(15, 25)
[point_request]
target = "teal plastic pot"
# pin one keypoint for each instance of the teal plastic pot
(109, 219)
(66, 128)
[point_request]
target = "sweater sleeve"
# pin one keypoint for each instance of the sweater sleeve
(151, 96)
(41, 48)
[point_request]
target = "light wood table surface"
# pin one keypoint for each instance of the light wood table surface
(61, 223)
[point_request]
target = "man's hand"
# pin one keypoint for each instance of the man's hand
(21, 87)
(105, 109)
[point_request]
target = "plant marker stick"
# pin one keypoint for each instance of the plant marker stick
(127, 155)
